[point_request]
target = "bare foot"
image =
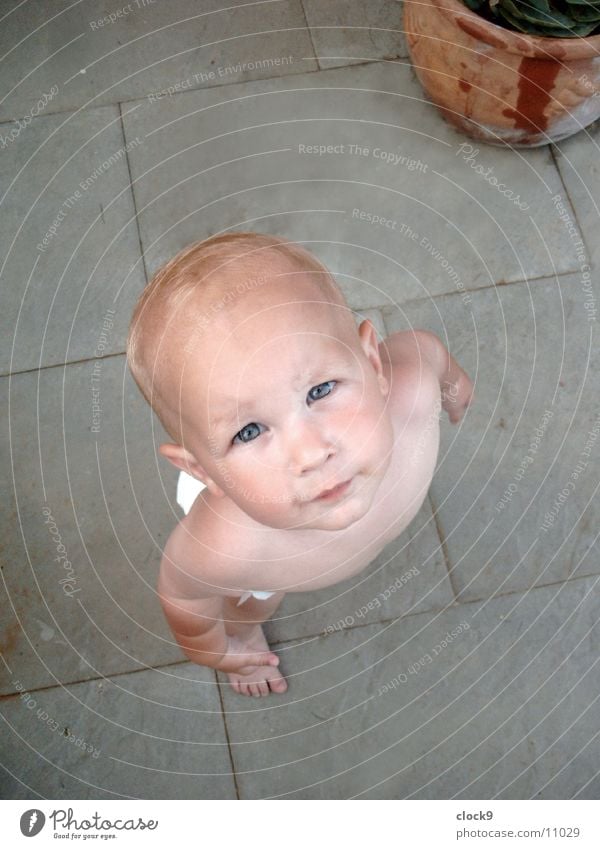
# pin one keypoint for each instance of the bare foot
(257, 680)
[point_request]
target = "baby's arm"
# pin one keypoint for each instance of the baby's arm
(199, 629)
(423, 348)
(456, 386)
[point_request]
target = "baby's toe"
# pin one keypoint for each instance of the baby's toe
(278, 684)
(263, 688)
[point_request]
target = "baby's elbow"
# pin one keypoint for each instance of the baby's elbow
(432, 350)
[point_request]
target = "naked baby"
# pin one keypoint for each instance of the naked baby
(316, 444)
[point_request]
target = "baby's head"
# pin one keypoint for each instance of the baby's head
(246, 350)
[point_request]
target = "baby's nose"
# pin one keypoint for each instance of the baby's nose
(309, 448)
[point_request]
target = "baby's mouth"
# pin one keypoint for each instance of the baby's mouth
(335, 492)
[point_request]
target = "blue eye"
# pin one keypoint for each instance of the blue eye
(247, 433)
(321, 390)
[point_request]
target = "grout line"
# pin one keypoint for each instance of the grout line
(553, 150)
(310, 35)
(443, 546)
(132, 192)
(143, 96)
(386, 310)
(62, 365)
(452, 606)
(110, 676)
(77, 108)
(229, 749)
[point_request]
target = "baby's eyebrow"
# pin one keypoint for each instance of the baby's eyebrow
(240, 409)
(235, 414)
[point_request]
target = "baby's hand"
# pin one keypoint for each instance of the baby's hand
(456, 396)
(240, 658)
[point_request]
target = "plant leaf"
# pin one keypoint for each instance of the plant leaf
(532, 11)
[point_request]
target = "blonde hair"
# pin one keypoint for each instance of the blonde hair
(203, 269)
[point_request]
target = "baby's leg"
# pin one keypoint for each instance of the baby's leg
(244, 622)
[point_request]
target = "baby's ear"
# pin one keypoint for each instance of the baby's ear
(368, 338)
(179, 456)
(370, 345)
(183, 459)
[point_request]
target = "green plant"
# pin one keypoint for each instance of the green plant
(550, 18)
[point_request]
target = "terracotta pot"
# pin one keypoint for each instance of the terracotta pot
(501, 86)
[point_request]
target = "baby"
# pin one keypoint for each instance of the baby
(315, 444)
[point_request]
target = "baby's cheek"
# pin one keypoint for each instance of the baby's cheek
(370, 427)
(376, 439)
(259, 484)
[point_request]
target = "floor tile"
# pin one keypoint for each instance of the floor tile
(409, 576)
(247, 158)
(515, 490)
(156, 734)
(578, 162)
(72, 267)
(88, 515)
(93, 59)
(346, 32)
(484, 700)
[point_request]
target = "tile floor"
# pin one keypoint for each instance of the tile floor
(479, 678)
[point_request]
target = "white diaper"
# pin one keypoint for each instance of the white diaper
(188, 489)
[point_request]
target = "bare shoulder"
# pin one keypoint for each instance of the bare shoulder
(412, 361)
(412, 347)
(201, 559)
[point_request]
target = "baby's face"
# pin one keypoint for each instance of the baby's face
(285, 405)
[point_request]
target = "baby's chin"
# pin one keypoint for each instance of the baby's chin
(334, 522)
(336, 517)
